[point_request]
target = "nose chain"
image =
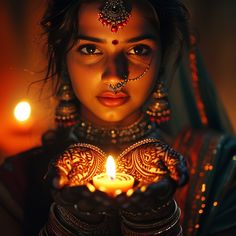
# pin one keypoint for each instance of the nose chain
(117, 87)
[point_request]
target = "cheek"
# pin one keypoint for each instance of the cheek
(84, 79)
(141, 89)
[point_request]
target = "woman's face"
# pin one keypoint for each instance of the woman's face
(101, 57)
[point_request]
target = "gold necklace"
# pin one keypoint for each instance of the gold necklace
(87, 132)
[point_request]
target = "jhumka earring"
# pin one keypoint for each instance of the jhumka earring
(66, 111)
(159, 108)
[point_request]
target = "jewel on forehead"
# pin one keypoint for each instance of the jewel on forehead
(115, 14)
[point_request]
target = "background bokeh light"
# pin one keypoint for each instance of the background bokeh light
(22, 111)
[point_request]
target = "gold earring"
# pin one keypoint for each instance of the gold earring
(159, 108)
(66, 114)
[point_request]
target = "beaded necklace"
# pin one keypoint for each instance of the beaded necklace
(93, 134)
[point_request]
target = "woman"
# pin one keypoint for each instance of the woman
(116, 72)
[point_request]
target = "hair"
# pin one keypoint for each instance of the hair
(61, 29)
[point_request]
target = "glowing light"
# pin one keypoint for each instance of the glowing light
(111, 182)
(22, 111)
(200, 211)
(111, 168)
(130, 192)
(203, 188)
(91, 187)
(143, 188)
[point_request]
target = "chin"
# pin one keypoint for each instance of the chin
(112, 117)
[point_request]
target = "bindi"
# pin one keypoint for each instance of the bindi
(115, 42)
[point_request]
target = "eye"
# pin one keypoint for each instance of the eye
(140, 50)
(89, 49)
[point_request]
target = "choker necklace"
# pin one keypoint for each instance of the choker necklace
(87, 132)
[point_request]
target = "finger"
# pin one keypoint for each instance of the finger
(59, 182)
(162, 190)
(177, 166)
(183, 169)
(55, 178)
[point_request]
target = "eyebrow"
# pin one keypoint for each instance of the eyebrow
(131, 40)
(142, 37)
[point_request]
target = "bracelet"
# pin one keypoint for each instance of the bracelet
(177, 231)
(82, 226)
(151, 212)
(167, 226)
(62, 222)
(54, 227)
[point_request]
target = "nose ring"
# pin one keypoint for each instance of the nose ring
(117, 87)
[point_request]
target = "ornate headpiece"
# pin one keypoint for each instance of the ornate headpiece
(115, 14)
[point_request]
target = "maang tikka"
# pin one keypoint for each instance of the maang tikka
(115, 14)
(159, 108)
(66, 114)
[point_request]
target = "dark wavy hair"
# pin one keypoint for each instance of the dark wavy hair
(61, 28)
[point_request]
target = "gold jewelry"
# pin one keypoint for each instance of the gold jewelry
(168, 225)
(115, 14)
(61, 222)
(159, 108)
(117, 87)
(66, 111)
(89, 133)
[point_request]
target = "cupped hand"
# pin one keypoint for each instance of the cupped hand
(156, 167)
(70, 175)
(144, 197)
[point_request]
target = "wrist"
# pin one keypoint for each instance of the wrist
(162, 220)
(63, 222)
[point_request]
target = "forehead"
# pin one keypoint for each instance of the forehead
(141, 22)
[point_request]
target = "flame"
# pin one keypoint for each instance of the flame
(22, 111)
(111, 168)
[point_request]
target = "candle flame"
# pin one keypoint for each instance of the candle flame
(22, 111)
(111, 167)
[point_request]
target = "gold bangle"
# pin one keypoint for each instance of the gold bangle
(156, 228)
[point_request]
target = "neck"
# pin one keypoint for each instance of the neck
(113, 136)
(90, 118)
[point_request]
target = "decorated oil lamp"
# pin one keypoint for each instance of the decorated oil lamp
(112, 182)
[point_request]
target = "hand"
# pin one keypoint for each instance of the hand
(69, 176)
(155, 166)
(159, 170)
(145, 197)
(150, 160)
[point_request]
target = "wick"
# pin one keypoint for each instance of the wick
(112, 178)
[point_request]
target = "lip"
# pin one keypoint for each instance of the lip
(110, 99)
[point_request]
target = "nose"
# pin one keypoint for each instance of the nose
(116, 69)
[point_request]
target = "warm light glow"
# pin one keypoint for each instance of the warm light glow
(22, 111)
(111, 168)
(91, 187)
(111, 182)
